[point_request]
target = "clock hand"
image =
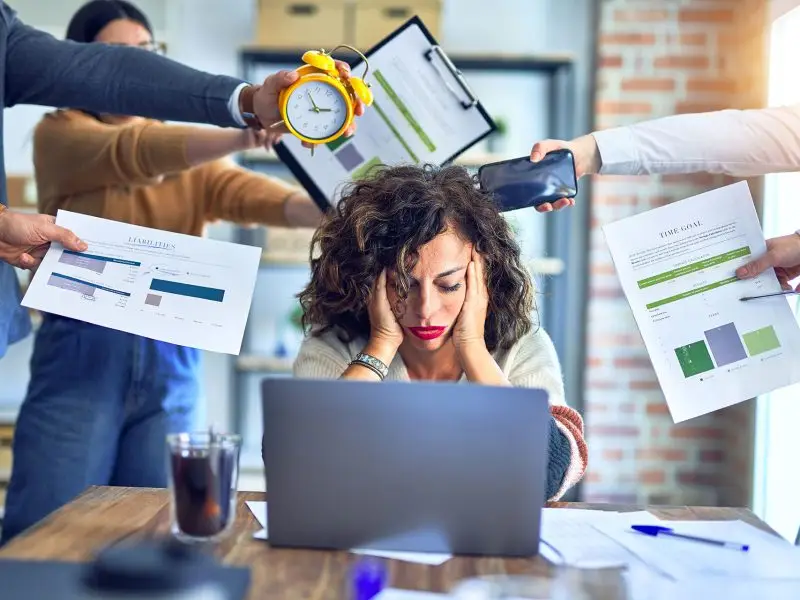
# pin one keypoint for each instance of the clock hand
(314, 104)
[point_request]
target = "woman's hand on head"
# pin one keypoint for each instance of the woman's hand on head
(468, 331)
(385, 330)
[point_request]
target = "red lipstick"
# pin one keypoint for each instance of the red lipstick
(427, 333)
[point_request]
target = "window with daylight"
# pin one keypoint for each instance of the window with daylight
(777, 478)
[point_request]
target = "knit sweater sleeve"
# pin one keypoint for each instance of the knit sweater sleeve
(138, 153)
(240, 195)
(322, 357)
(534, 364)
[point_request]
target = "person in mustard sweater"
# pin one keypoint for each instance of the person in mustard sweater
(100, 413)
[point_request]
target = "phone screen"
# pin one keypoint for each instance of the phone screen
(520, 183)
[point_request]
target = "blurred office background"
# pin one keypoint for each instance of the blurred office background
(547, 68)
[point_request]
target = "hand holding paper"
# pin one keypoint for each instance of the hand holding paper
(165, 286)
(678, 267)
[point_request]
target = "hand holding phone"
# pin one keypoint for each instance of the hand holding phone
(520, 183)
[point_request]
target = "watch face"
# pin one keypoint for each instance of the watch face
(316, 110)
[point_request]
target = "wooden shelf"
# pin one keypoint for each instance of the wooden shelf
(546, 266)
(553, 62)
(252, 363)
(468, 159)
(278, 260)
(260, 155)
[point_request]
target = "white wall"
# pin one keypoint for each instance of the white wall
(206, 34)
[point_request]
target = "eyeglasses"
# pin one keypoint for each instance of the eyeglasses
(157, 47)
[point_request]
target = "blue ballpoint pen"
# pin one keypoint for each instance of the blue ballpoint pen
(656, 530)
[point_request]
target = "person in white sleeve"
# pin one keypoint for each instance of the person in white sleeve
(739, 143)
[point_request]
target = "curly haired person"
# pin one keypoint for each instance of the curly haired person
(419, 271)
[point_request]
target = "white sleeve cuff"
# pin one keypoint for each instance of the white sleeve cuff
(233, 105)
(618, 152)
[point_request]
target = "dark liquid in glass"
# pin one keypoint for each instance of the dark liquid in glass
(202, 493)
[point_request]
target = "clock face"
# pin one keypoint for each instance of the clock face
(316, 110)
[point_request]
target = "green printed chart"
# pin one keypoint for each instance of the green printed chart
(706, 263)
(404, 110)
(726, 346)
(694, 358)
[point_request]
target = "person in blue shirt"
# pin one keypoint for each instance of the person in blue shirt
(36, 68)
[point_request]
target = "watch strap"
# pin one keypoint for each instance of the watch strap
(247, 108)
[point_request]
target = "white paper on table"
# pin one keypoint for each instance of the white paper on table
(166, 286)
(568, 536)
(769, 556)
(259, 510)
(677, 267)
(572, 538)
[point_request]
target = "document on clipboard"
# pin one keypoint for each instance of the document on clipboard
(423, 112)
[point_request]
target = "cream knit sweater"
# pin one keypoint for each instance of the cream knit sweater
(531, 363)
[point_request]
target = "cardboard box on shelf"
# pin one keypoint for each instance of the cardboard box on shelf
(302, 24)
(375, 19)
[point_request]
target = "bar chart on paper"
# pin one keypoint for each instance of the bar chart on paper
(677, 266)
(165, 286)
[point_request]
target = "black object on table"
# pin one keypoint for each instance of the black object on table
(161, 568)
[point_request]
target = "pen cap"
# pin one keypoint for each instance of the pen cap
(368, 579)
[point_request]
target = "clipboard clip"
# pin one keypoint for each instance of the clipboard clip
(456, 74)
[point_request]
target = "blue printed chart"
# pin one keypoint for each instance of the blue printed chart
(166, 286)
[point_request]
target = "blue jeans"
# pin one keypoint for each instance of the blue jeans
(99, 406)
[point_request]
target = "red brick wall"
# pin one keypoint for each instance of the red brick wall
(657, 58)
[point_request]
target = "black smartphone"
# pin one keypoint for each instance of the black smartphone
(519, 183)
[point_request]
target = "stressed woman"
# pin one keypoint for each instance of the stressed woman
(417, 277)
(100, 402)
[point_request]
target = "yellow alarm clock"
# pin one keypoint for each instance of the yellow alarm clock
(320, 106)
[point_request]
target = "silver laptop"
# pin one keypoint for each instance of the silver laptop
(420, 467)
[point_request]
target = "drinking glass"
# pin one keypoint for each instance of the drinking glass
(203, 480)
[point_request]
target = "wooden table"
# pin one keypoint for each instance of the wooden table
(103, 515)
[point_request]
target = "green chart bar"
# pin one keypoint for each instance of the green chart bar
(706, 263)
(694, 358)
(690, 293)
(761, 340)
(401, 106)
(394, 131)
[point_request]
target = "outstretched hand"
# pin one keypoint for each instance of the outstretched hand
(25, 239)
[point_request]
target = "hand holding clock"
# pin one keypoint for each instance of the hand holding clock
(266, 107)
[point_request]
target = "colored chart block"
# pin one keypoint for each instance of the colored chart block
(761, 340)
(694, 358)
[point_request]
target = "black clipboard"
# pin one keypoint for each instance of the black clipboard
(432, 55)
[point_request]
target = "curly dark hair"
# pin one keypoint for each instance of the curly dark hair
(382, 221)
